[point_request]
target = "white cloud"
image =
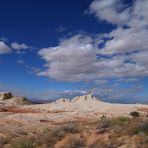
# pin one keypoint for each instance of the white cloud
(75, 60)
(140, 57)
(61, 29)
(18, 46)
(127, 39)
(4, 48)
(3, 39)
(20, 61)
(100, 82)
(121, 39)
(110, 11)
(128, 80)
(57, 93)
(33, 70)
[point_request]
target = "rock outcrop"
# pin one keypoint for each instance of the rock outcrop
(80, 103)
(84, 98)
(62, 100)
(79, 99)
(7, 99)
(5, 96)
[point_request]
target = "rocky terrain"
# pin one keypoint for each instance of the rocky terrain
(84, 121)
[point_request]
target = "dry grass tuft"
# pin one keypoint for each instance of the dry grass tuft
(23, 143)
(104, 133)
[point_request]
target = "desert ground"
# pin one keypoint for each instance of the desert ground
(83, 122)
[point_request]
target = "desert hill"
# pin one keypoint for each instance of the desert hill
(84, 120)
(86, 106)
(7, 99)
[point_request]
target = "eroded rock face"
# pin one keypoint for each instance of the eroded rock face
(62, 100)
(84, 98)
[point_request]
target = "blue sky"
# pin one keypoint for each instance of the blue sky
(64, 48)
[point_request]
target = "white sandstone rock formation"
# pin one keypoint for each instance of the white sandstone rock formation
(62, 100)
(86, 106)
(88, 98)
(7, 99)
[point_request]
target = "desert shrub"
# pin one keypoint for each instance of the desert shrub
(120, 121)
(144, 127)
(75, 142)
(70, 128)
(49, 138)
(105, 123)
(23, 143)
(57, 133)
(105, 144)
(96, 145)
(132, 129)
(135, 114)
(123, 119)
(135, 131)
(3, 141)
(45, 139)
(142, 141)
(103, 117)
(136, 128)
(20, 132)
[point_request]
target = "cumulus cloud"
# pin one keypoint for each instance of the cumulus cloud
(100, 82)
(130, 35)
(18, 46)
(4, 48)
(57, 93)
(126, 40)
(124, 54)
(132, 30)
(140, 57)
(75, 59)
(111, 11)
(128, 80)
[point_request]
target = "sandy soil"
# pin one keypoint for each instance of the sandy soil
(17, 121)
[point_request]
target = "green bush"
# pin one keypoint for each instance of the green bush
(134, 114)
